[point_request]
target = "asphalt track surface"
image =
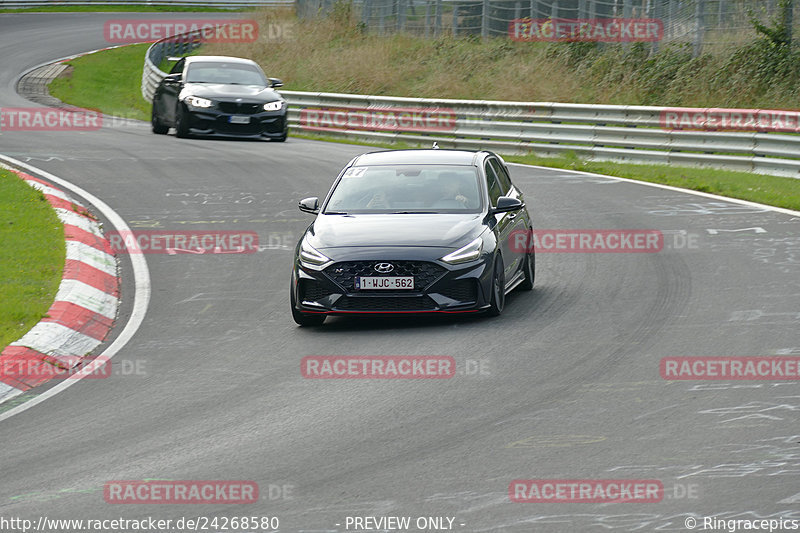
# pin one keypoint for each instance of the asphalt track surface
(570, 389)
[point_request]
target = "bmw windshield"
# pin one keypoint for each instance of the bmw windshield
(230, 73)
(406, 189)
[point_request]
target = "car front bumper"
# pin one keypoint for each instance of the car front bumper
(438, 287)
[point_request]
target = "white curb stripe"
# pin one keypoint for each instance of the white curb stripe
(49, 190)
(79, 293)
(7, 392)
(53, 339)
(75, 219)
(78, 251)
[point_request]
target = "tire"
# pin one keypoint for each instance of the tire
(181, 125)
(158, 127)
(498, 300)
(529, 268)
(305, 319)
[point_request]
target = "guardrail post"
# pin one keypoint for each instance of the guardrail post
(788, 15)
(382, 17)
(517, 9)
(626, 9)
(554, 10)
(455, 19)
(485, 19)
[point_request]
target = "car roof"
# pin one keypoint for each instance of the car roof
(418, 157)
(220, 59)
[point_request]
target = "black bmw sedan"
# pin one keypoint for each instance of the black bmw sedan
(412, 231)
(219, 96)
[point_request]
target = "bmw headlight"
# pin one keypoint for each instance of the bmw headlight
(466, 253)
(277, 105)
(196, 101)
(309, 254)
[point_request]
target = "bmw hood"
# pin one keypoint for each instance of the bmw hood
(226, 91)
(434, 230)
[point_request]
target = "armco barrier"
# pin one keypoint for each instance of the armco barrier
(601, 132)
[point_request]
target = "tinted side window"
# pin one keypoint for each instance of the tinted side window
(495, 191)
(502, 175)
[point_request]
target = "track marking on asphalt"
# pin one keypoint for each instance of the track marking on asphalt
(141, 291)
(669, 188)
(555, 441)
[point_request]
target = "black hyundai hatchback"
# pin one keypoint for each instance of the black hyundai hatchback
(412, 231)
(219, 96)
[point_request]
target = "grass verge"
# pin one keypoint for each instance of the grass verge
(31, 256)
(111, 80)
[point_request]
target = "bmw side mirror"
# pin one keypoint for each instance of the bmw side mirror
(275, 83)
(173, 78)
(309, 205)
(506, 204)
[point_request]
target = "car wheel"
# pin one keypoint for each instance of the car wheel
(529, 269)
(498, 300)
(181, 123)
(158, 127)
(305, 319)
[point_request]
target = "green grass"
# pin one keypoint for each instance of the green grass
(31, 257)
(109, 81)
(99, 7)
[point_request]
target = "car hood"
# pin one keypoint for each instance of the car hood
(223, 90)
(434, 230)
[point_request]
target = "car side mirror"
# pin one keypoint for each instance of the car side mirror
(506, 204)
(309, 205)
(173, 78)
(275, 83)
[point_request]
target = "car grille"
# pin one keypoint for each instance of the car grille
(387, 304)
(462, 290)
(239, 108)
(313, 291)
(424, 272)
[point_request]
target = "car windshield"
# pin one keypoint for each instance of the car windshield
(230, 73)
(407, 189)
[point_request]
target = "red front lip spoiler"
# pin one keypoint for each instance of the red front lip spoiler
(389, 312)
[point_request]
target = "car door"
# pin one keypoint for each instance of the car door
(505, 222)
(169, 91)
(518, 220)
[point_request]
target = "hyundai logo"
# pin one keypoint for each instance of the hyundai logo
(384, 268)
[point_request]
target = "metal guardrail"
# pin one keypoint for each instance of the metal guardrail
(600, 132)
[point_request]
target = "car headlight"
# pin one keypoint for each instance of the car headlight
(466, 253)
(196, 101)
(277, 105)
(311, 255)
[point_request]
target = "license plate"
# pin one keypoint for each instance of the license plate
(239, 119)
(388, 282)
